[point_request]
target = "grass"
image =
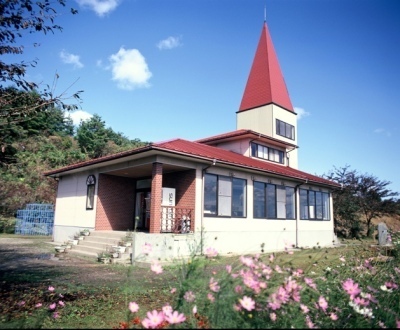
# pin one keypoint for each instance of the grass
(97, 296)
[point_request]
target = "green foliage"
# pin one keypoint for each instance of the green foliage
(96, 140)
(361, 198)
(19, 18)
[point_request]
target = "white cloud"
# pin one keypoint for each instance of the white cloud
(100, 7)
(71, 59)
(129, 69)
(382, 131)
(301, 113)
(169, 43)
(78, 116)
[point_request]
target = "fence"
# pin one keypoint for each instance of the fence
(36, 219)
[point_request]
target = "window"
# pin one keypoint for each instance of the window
(273, 201)
(91, 184)
(284, 129)
(314, 205)
(260, 151)
(224, 196)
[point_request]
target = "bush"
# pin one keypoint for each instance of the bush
(7, 225)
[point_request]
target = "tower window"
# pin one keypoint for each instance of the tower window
(284, 129)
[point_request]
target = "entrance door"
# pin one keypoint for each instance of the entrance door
(142, 210)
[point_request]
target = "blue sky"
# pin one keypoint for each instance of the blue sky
(189, 62)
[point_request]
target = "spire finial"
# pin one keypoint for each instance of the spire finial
(265, 13)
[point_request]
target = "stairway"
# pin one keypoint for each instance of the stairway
(100, 241)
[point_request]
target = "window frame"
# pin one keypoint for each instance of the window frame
(314, 205)
(225, 197)
(288, 129)
(90, 191)
(267, 153)
(275, 203)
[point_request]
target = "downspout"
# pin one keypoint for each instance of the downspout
(296, 188)
(203, 171)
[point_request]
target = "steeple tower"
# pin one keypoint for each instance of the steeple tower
(266, 107)
(265, 84)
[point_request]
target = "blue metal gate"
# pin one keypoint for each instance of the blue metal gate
(36, 219)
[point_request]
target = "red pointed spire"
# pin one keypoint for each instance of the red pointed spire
(265, 84)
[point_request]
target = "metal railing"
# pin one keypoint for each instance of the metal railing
(176, 220)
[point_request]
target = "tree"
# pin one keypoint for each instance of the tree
(18, 17)
(362, 196)
(374, 199)
(346, 213)
(96, 140)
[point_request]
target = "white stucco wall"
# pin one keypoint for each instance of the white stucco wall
(263, 120)
(70, 213)
(249, 235)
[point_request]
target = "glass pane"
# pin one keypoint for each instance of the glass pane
(90, 197)
(224, 205)
(239, 198)
(259, 199)
(318, 203)
(325, 203)
(311, 204)
(210, 194)
(282, 128)
(271, 201)
(281, 202)
(303, 204)
(290, 212)
(224, 186)
(253, 150)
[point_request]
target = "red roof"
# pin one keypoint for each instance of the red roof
(265, 84)
(209, 153)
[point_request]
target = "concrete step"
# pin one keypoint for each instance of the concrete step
(102, 241)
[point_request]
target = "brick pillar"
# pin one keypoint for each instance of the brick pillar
(155, 205)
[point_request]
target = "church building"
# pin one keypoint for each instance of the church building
(238, 192)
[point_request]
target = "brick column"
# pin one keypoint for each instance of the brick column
(155, 205)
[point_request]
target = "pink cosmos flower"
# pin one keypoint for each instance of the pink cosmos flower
(247, 303)
(189, 296)
(133, 307)
(214, 285)
(147, 248)
(282, 295)
(351, 288)
(247, 261)
(167, 309)
(156, 268)
(304, 308)
(194, 310)
(38, 305)
(238, 289)
(310, 283)
(56, 315)
(210, 297)
(21, 303)
(271, 257)
(333, 316)
(52, 306)
(61, 303)
(309, 322)
(398, 324)
(322, 303)
(175, 318)
(228, 269)
(153, 320)
(210, 252)
(173, 290)
(272, 316)
(50, 288)
(273, 302)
